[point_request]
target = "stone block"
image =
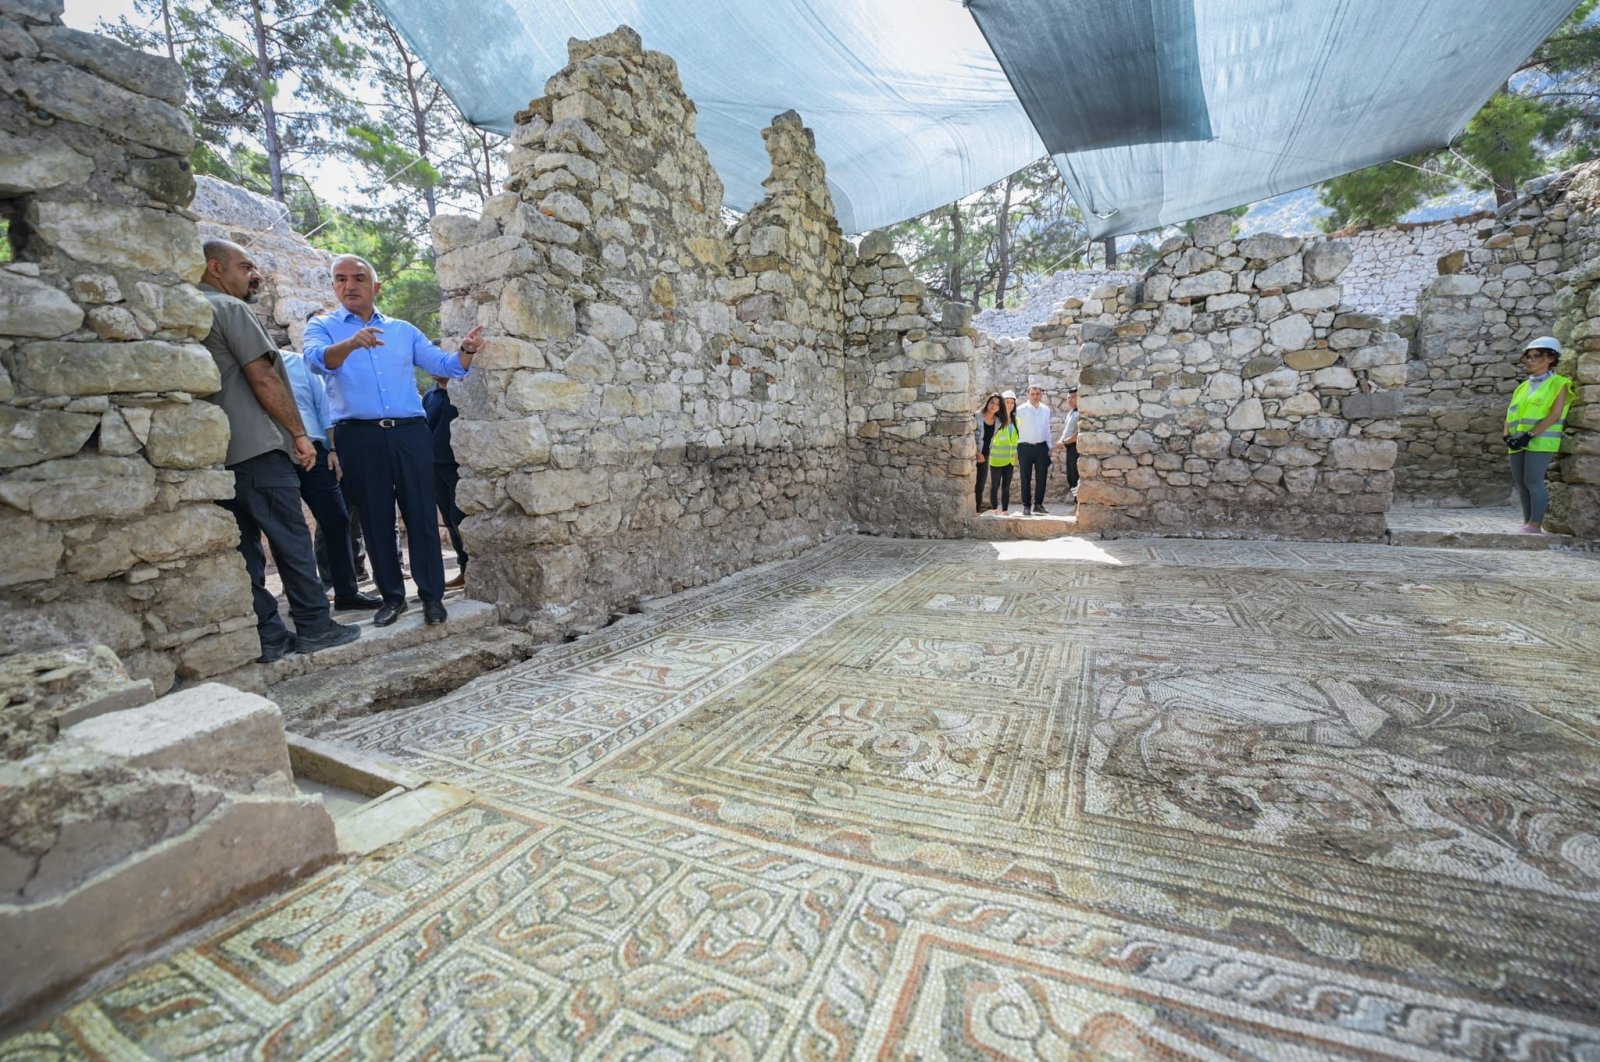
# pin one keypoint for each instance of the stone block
(1373, 454)
(61, 368)
(33, 164)
(192, 435)
(1292, 332)
(1246, 416)
(1335, 377)
(1212, 230)
(224, 735)
(165, 888)
(1284, 273)
(32, 308)
(43, 691)
(500, 446)
(29, 436)
(1373, 406)
(531, 310)
(1325, 260)
(537, 392)
(606, 321)
(126, 237)
(80, 487)
(1310, 360)
(1214, 282)
(1269, 247)
(65, 91)
(1455, 284)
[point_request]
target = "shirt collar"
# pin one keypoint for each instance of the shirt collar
(1535, 381)
(351, 315)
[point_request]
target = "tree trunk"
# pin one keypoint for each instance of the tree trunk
(269, 115)
(956, 235)
(1111, 252)
(419, 116)
(488, 166)
(1003, 248)
(166, 27)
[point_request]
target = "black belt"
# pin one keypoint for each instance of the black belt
(386, 422)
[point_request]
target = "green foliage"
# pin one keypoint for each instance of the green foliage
(1379, 195)
(1502, 139)
(974, 250)
(1546, 117)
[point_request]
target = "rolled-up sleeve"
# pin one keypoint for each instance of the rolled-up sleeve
(316, 343)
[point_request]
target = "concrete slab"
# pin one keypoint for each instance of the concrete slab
(391, 818)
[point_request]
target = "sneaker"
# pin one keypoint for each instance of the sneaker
(326, 638)
(1039, 510)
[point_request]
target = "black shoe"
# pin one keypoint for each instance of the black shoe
(389, 613)
(271, 654)
(1039, 510)
(365, 602)
(328, 637)
(433, 613)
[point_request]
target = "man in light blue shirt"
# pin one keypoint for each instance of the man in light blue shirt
(366, 359)
(319, 489)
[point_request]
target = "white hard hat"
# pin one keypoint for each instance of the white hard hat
(1550, 343)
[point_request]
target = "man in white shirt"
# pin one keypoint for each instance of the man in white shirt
(1069, 441)
(1033, 451)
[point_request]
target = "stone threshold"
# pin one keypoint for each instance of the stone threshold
(989, 526)
(1487, 540)
(402, 800)
(405, 633)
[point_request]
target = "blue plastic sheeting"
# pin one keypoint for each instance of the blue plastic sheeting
(1156, 111)
(1101, 73)
(1302, 90)
(909, 107)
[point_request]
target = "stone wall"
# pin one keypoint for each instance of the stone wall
(297, 278)
(1232, 395)
(908, 384)
(659, 402)
(1390, 267)
(108, 465)
(1041, 297)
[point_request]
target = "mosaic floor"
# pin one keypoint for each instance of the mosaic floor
(1035, 800)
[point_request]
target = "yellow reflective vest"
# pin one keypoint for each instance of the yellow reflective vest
(1003, 447)
(1531, 404)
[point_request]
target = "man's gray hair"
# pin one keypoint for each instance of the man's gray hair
(356, 258)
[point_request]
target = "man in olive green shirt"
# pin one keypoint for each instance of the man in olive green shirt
(267, 441)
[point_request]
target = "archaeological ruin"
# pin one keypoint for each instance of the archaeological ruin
(748, 735)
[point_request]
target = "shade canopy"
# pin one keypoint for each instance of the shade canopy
(1155, 111)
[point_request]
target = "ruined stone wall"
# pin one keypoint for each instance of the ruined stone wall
(296, 278)
(1390, 267)
(908, 382)
(108, 465)
(1572, 202)
(1042, 297)
(1235, 397)
(1472, 320)
(659, 402)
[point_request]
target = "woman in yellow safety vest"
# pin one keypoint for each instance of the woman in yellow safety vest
(1002, 459)
(1534, 420)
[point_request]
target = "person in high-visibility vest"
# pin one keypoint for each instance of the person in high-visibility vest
(1002, 459)
(1534, 420)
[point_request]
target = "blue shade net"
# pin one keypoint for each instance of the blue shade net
(1155, 111)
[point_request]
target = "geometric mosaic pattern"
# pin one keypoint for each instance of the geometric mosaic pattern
(953, 800)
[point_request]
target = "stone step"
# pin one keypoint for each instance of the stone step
(408, 631)
(1451, 539)
(405, 675)
(1062, 521)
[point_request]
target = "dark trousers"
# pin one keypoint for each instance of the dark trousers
(983, 475)
(319, 489)
(266, 501)
(386, 466)
(1033, 466)
(445, 478)
(1000, 487)
(1072, 466)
